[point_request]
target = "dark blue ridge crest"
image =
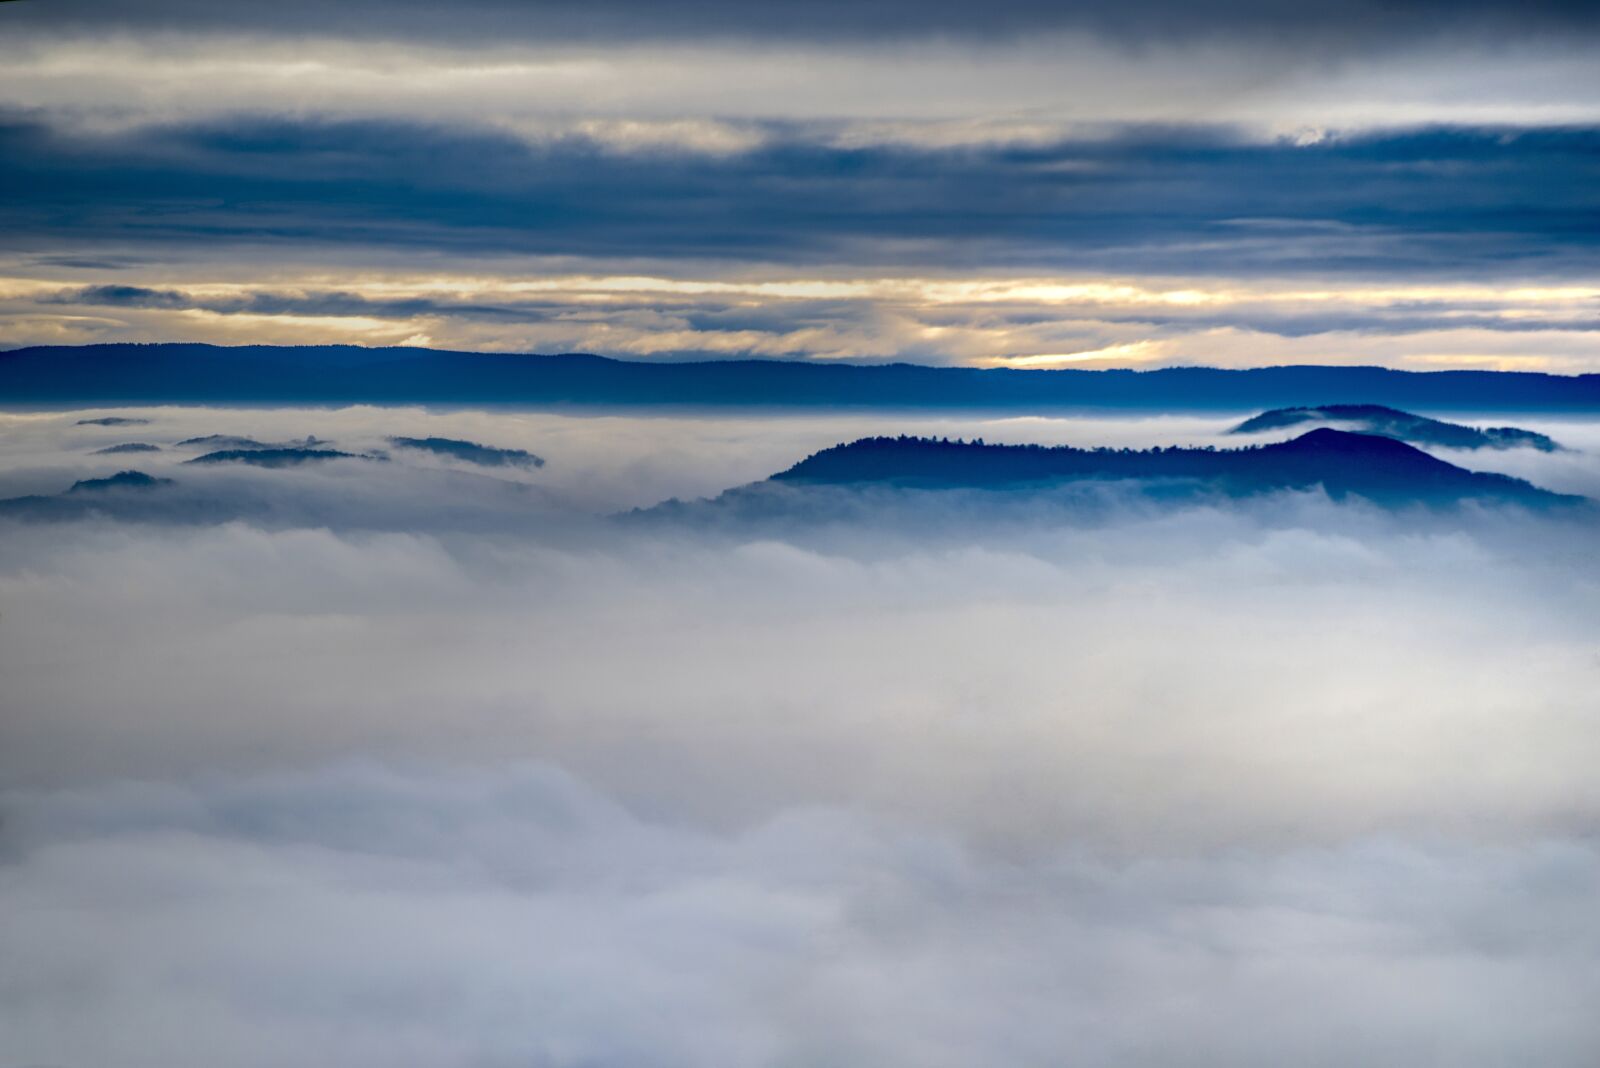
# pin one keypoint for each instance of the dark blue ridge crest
(269, 457)
(128, 446)
(233, 441)
(1377, 468)
(470, 452)
(120, 480)
(1393, 423)
(104, 374)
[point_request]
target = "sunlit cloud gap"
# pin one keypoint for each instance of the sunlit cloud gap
(985, 322)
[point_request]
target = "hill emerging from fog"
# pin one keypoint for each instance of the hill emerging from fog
(1344, 464)
(470, 452)
(273, 457)
(262, 374)
(1403, 426)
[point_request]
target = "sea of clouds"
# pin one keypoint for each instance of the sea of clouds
(412, 762)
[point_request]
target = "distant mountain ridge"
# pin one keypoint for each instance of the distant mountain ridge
(234, 441)
(893, 471)
(188, 373)
(470, 452)
(275, 457)
(120, 480)
(1403, 426)
(1377, 468)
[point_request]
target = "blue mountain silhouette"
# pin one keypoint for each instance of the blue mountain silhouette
(1344, 464)
(126, 373)
(1404, 426)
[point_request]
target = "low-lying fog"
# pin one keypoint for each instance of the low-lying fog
(420, 762)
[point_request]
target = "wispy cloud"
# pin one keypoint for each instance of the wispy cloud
(1163, 245)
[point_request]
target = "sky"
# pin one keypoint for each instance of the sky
(1016, 183)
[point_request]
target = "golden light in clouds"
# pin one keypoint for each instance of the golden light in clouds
(1035, 321)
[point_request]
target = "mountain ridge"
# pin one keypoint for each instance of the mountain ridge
(1393, 423)
(1344, 464)
(130, 373)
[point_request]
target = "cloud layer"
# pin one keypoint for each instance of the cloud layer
(1362, 22)
(396, 174)
(1143, 247)
(409, 764)
(385, 918)
(1160, 202)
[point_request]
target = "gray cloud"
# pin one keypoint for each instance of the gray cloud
(487, 918)
(330, 303)
(1454, 202)
(735, 313)
(771, 600)
(1272, 23)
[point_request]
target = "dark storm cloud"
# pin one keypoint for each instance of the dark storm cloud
(1442, 200)
(122, 296)
(324, 302)
(1285, 24)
